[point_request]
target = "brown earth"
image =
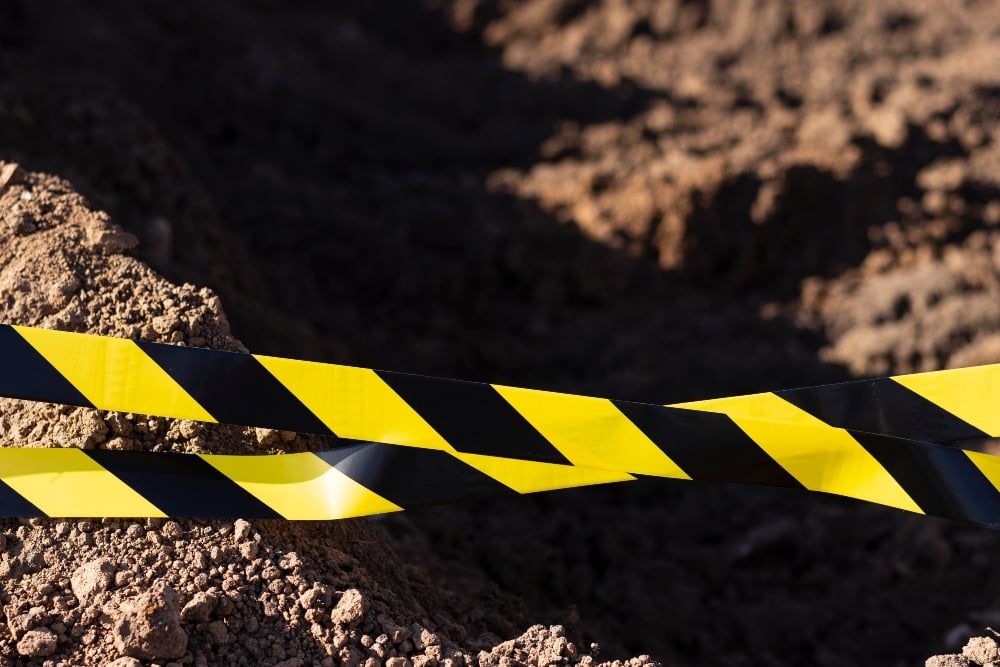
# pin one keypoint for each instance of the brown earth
(190, 592)
(654, 201)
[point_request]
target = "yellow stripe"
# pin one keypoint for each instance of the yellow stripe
(114, 374)
(531, 477)
(300, 486)
(591, 432)
(988, 464)
(971, 394)
(821, 457)
(68, 483)
(750, 406)
(354, 403)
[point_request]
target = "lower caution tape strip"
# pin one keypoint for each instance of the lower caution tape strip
(354, 480)
(413, 440)
(361, 479)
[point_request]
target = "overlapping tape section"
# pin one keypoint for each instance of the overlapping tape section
(413, 440)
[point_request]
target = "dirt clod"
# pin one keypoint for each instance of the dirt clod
(350, 609)
(91, 579)
(10, 174)
(125, 661)
(37, 643)
(149, 626)
(982, 650)
(948, 660)
(199, 609)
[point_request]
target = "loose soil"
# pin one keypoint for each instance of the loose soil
(653, 201)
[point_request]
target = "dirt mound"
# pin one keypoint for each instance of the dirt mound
(192, 592)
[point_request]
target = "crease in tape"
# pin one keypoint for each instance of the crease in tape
(406, 440)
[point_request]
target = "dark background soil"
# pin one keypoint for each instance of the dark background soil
(656, 201)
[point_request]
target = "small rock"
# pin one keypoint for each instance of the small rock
(37, 644)
(249, 550)
(111, 241)
(92, 579)
(316, 597)
(242, 529)
(190, 429)
(350, 609)
(982, 650)
(398, 662)
(19, 221)
(291, 662)
(267, 436)
(289, 561)
(428, 638)
(149, 627)
(199, 609)
(164, 324)
(218, 632)
(125, 661)
(10, 174)
(172, 530)
(951, 660)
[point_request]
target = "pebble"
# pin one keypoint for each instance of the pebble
(37, 643)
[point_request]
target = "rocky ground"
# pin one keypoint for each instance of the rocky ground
(659, 201)
(191, 592)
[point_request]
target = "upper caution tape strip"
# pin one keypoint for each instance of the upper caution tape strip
(866, 440)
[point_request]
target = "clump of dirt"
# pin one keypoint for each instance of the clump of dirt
(182, 592)
(982, 650)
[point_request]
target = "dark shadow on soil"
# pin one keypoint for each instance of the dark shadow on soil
(814, 222)
(326, 172)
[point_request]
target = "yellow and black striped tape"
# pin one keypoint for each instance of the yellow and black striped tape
(429, 440)
(356, 479)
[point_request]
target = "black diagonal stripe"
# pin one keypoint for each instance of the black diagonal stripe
(882, 406)
(473, 417)
(24, 373)
(13, 504)
(707, 446)
(941, 480)
(235, 388)
(411, 477)
(182, 485)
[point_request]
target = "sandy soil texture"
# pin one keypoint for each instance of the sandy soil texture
(658, 201)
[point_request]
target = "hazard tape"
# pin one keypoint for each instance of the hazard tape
(353, 480)
(413, 440)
